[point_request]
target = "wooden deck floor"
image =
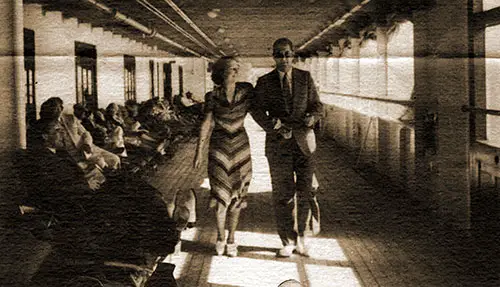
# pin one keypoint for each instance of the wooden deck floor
(370, 236)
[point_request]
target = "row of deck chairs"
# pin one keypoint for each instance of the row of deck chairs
(142, 134)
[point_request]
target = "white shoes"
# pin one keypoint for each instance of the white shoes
(301, 247)
(286, 251)
(219, 247)
(232, 249)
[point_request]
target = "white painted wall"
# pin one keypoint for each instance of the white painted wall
(55, 63)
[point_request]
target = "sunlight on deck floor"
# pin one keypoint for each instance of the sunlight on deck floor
(257, 264)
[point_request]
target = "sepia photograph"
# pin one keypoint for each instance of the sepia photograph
(242, 143)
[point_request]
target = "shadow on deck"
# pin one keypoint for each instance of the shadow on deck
(371, 236)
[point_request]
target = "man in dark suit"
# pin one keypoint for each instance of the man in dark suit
(287, 107)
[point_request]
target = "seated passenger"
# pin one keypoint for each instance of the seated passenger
(98, 132)
(131, 118)
(136, 135)
(78, 142)
(191, 107)
(122, 211)
(114, 125)
(187, 100)
(56, 182)
(177, 102)
(154, 117)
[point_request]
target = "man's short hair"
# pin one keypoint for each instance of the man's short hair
(41, 128)
(290, 283)
(51, 109)
(282, 42)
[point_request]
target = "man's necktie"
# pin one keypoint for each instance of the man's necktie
(287, 94)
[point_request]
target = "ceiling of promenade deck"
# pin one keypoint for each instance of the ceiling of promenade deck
(247, 28)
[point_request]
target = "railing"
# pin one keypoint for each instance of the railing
(399, 102)
(476, 110)
(484, 156)
(484, 159)
(399, 111)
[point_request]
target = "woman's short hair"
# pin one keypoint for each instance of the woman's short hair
(219, 68)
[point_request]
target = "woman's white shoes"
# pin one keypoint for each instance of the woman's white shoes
(219, 247)
(230, 248)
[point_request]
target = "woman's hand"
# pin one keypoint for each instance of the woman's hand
(197, 161)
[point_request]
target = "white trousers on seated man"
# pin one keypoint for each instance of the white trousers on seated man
(79, 144)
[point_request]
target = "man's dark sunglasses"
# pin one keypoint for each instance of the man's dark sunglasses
(283, 55)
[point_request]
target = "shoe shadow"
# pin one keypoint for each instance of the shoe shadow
(209, 248)
(197, 247)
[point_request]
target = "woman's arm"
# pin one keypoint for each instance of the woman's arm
(206, 129)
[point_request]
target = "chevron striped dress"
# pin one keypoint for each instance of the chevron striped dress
(229, 162)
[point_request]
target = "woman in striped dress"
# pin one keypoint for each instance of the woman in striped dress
(229, 162)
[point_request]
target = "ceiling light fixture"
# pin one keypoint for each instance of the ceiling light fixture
(335, 24)
(213, 13)
(190, 22)
(221, 30)
(227, 40)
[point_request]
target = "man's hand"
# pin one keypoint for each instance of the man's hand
(309, 121)
(94, 183)
(282, 129)
(277, 124)
(285, 132)
(100, 162)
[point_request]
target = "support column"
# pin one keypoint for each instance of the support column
(323, 61)
(12, 115)
(478, 85)
(441, 128)
(11, 83)
(382, 57)
(335, 51)
(355, 46)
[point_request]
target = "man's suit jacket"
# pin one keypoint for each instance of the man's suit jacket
(56, 182)
(270, 104)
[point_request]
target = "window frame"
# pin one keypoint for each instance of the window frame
(129, 78)
(86, 75)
